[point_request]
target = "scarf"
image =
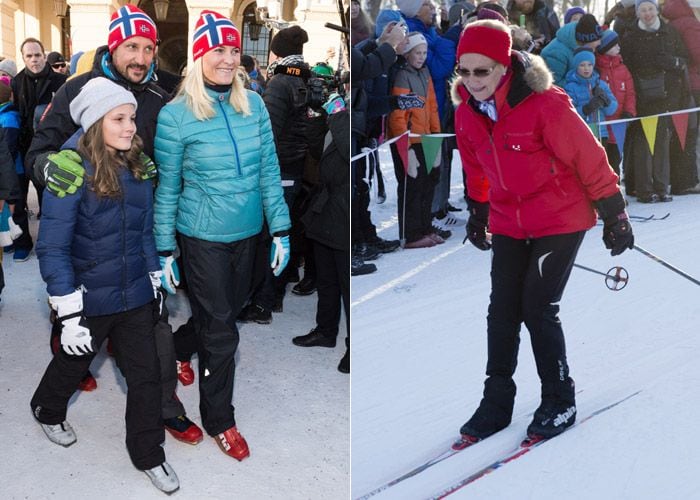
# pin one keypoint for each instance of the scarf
(488, 108)
(293, 60)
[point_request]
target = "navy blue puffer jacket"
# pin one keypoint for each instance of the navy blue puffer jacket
(102, 244)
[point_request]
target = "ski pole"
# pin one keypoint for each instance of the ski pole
(666, 264)
(615, 279)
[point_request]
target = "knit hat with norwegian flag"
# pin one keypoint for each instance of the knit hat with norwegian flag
(129, 21)
(213, 30)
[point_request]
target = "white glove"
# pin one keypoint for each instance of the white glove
(15, 230)
(413, 164)
(279, 254)
(158, 292)
(75, 335)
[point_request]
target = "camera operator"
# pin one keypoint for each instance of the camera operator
(286, 99)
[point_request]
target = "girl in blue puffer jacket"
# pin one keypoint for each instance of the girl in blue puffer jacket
(218, 177)
(98, 258)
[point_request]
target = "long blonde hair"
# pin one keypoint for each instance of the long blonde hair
(105, 180)
(193, 91)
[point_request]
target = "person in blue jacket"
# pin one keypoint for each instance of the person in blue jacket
(219, 175)
(559, 53)
(98, 257)
(590, 95)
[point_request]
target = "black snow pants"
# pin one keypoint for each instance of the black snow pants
(135, 350)
(218, 280)
(528, 278)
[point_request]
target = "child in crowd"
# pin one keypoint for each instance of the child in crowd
(98, 257)
(9, 125)
(415, 182)
(591, 97)
(613, 71)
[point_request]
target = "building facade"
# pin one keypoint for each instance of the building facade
(70, 26)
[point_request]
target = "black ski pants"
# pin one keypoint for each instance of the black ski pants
(528, 278)
(333, 288)
(218, 277)
(135, 349)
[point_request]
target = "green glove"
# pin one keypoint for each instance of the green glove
(63, 172)
(150, 171)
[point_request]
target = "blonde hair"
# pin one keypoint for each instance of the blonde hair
(193, 91)
(105, 181)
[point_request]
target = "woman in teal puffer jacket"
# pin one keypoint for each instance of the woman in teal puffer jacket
(218, 176)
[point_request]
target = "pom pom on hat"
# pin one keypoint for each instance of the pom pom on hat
(637, 3)
(213, 30)
(572, 12)
(9, 67)
(129, 21)
(414, 40)
(583, 54)
(409, 8)
(98, 97)
(289, 41)
(608, 41)
(483, 37)
(588, 29)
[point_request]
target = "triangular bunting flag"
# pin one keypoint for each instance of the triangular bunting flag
(402, 149)
(431, 148)
(681, 123)
(649, 127)
(619, 130)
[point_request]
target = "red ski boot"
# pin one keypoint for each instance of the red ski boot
(88, 383)
(185, 374)
(233, 444)
(183, 429)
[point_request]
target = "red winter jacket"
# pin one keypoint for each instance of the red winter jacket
(681, 17)
(613, 72)
(539, 166)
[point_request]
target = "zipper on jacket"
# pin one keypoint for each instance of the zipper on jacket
(230, 132)
(124, 273)
(498, 163)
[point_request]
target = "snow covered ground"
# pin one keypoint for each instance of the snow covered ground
(419, 354)
(292, 405)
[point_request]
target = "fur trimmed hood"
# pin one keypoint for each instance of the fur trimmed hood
(530, 74)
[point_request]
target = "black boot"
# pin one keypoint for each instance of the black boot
(315, 338)
(557, 412)
(385, 246)
(359, 267)
(255, 313)
(495, 410)
(307, 286)
(344, 365)
(365, 251)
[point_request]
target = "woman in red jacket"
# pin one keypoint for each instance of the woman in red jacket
(534, 173)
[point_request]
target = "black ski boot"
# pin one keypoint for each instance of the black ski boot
(495, 410)
(557, 412)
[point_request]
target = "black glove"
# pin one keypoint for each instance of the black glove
(477, 224)
(407, 101)
(600, 94)
(593, 105)
(617, 230)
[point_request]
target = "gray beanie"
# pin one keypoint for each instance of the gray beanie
(98, 97)
(9, 67)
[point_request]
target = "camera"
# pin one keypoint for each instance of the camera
(322, 83)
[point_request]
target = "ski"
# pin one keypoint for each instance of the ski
(647, 218)
(527, 445)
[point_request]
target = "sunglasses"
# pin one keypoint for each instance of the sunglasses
(477, 73)
(58, 65)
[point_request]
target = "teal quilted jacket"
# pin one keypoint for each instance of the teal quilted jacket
(217, 177)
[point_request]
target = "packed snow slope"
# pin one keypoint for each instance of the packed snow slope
(419, 354)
